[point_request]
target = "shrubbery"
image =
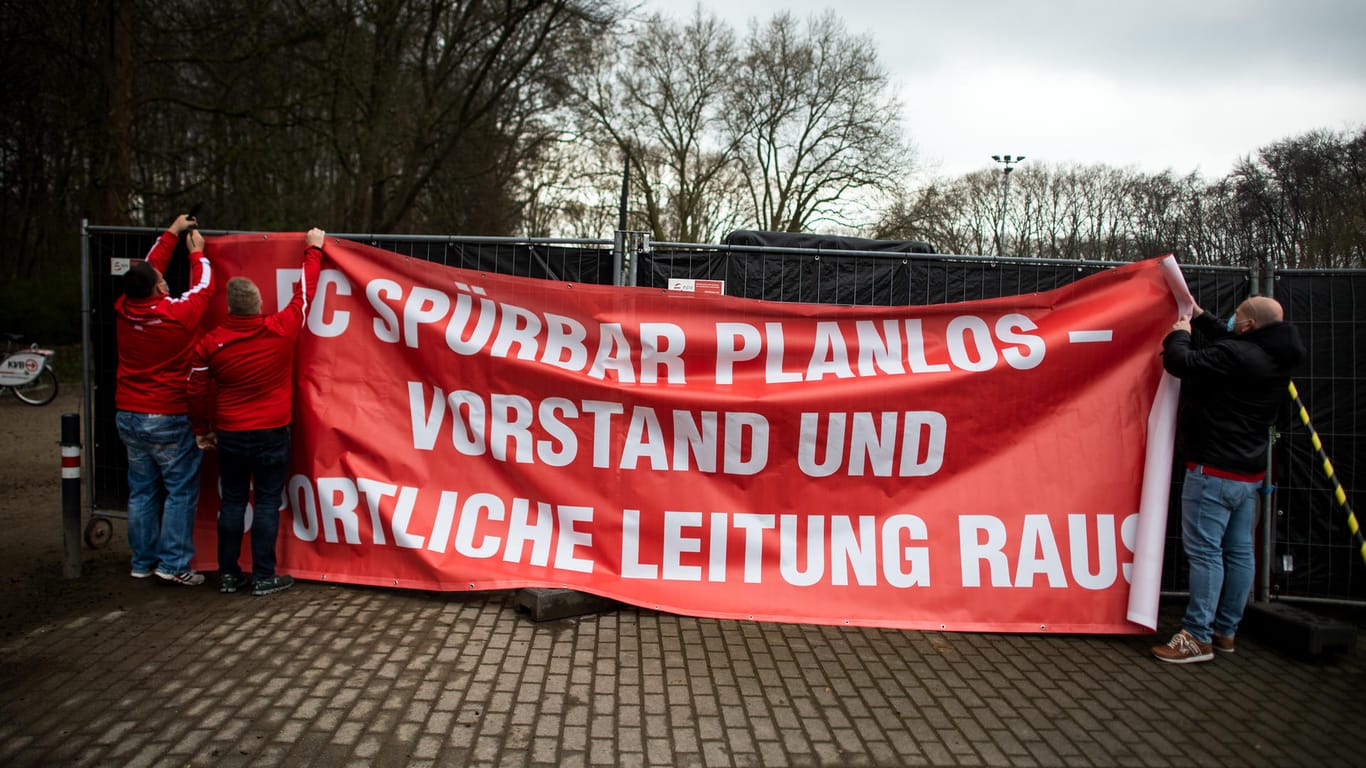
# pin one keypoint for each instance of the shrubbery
(45, 309)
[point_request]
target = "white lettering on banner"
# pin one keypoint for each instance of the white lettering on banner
(898, 348)
(505, 427)
(522, 530)
(374, 491)
(689, 552)
(285, 280)
(872, 443)
(652, 352)
(878, 351)
(510, 331)
(1128, 535)
(796, 550)
(564, 342)
(661, 348)
(482, 527)
(1037, 552)
(323, 322)
(337, 500)
(386, 320)
(830, 355)
(300, 496)
(1009, 329)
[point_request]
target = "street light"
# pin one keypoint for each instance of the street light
(1008, 164)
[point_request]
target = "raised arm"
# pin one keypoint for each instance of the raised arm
(290, 320)
(160, 254)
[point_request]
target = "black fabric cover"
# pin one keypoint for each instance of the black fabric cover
(823, 242)
(1309, 524)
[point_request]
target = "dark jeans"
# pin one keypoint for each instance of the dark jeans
(260, 455)
(163, 489)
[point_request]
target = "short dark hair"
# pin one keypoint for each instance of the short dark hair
(140, 280)
(243, 297)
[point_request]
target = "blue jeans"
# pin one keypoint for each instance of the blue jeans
(1217, 517)
(262, 456)
(163, 489)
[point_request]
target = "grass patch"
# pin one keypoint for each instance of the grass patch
(66, 363)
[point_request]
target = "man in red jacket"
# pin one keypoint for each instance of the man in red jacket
(241, 395)
(156, 333)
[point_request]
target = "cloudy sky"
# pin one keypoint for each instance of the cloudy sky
(1154, 84)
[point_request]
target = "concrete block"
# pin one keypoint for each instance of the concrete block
(549, 604)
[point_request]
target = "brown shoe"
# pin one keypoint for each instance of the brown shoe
(1183, 648)
(1222, 644)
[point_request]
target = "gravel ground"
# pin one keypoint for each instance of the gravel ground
(35, 591)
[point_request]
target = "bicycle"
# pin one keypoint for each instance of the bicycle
(28, 373)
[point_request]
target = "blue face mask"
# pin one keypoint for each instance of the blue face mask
(1232, 321)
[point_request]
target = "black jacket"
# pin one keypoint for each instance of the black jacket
(1232, 388)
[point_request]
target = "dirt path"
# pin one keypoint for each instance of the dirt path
(33, 590)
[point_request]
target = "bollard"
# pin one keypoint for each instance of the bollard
(71, 495)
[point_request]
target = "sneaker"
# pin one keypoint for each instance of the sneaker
(138, 573)
(1222, 644)
(272, 584)
(231, 582)
(1183, 648)
(188, 578)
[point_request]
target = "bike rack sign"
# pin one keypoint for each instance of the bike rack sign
(20, 368)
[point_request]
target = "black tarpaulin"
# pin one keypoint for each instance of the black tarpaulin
(823, 242)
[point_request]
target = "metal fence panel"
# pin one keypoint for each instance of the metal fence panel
(1315, 552)
(885, 279)
(106, 470)
(1326, 306)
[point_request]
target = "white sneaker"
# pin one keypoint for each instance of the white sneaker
(188, 578)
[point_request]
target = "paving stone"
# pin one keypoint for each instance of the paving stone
(335, 676)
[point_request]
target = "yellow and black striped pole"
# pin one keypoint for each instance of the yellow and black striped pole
(1338, 492)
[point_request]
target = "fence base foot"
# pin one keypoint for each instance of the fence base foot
(549, 604)
(1296, 630)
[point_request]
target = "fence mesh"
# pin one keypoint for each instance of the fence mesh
(1315, 553)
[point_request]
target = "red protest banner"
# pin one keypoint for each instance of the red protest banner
(974, 466)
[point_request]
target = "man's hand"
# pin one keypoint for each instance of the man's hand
(194, 241)
(1184, 324)
(206, 442)
(182, 222)
(315, 237)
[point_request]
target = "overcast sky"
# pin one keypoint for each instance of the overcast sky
(1154, 84)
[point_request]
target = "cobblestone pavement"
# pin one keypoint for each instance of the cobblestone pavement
(335, 676)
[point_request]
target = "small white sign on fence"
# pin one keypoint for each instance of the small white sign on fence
(691, 285)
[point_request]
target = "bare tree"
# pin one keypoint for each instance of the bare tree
(657, 98)
(428, 90)
(818, 126)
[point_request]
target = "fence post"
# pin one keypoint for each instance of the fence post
(1265, 506)
(640, 245)
(87, 350)
(71, 495)
(626, 247)
(618, 256)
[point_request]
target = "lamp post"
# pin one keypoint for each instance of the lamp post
(1008, 164)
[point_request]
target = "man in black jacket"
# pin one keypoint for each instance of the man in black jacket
(1232, 389)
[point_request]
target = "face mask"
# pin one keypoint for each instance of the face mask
(1232, 321)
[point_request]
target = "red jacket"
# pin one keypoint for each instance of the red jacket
(156, 336)
(249, 361)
